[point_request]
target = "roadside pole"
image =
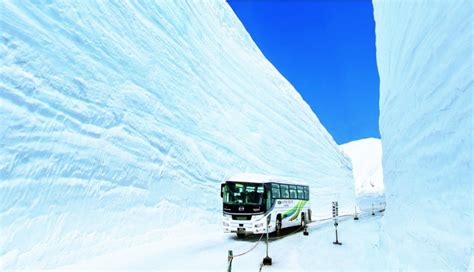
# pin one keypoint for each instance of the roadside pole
(230, 256)
(355, 214)
(267, 260)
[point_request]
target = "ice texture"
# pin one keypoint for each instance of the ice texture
(425, 62)
(121, 118)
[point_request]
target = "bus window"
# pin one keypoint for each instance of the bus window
(293, 192)
(275, 190)
(306, 193)
(268, 202)
(300, 192)
(243, 193)
(284, 191)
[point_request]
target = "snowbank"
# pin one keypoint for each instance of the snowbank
(119, 119)
(424, 58)
(366, 158)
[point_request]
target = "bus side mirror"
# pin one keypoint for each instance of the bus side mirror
(222, 190)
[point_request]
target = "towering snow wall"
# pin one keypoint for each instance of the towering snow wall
(424, 58)
(119, 118)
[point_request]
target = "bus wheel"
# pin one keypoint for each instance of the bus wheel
(278, 225)
(303, 220)
(240, 235)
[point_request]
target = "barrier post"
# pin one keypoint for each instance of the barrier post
(267, 260)
(230, 256)
(373, 212)
(305, 232)
(337, 240)
(356, 217)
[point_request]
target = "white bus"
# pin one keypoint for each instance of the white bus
(248, 199)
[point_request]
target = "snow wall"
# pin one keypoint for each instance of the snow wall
(366, 158)
(424, 58)
(118, 119)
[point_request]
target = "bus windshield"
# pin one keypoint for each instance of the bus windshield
(243, 193)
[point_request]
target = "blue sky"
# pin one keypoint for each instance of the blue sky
(326, 49)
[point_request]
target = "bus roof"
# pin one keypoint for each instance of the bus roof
(258, 178)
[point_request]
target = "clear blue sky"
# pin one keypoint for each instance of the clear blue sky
(326, 49)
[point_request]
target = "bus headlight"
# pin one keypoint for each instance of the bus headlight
(225, 224)
(259, 225)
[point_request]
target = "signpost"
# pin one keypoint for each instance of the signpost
(335, 214)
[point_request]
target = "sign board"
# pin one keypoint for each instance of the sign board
(335, 209)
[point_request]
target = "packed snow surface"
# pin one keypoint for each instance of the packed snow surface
(119, 119)
(366, 158)
(425, 62)
(206, 248)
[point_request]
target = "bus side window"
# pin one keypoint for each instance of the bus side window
(284, 191)
(268, 202)
(300, 192)
(293, 192)
(306, 192)
(275, 190)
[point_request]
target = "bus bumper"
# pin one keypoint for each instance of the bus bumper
(247, 228)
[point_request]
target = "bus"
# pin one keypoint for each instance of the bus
(248, 199)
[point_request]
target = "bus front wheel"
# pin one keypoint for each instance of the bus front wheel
(240, 235)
